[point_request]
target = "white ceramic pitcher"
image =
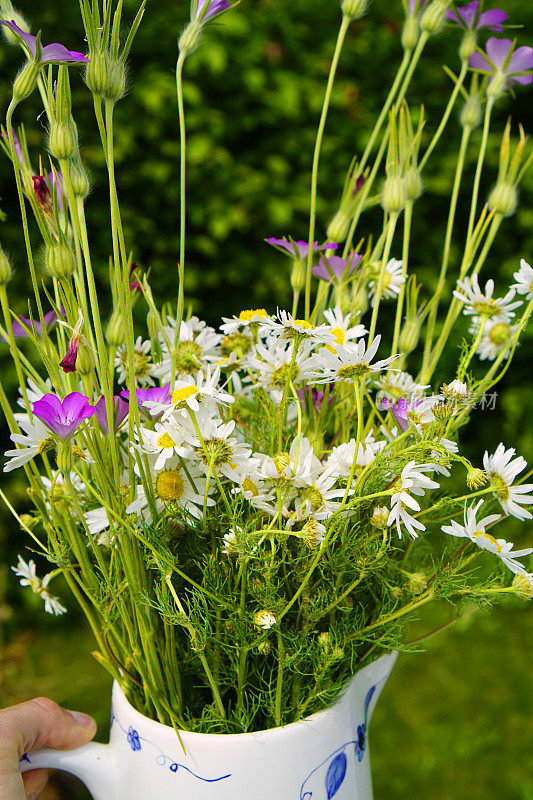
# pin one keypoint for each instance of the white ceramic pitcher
(322, 757)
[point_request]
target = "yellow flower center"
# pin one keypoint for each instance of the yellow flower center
(303, 323)
(283, 374)
(188, 357)
(249, 314)
(141, 363)
(237, 343)
(488, 539)
(216, 453)
(501, 490)
(165, 441)
(46, 445)
(339, 335)
(486, 309)
(179, 395)
(499, 334)
(249, 486)
(169, 485)
(313, 497)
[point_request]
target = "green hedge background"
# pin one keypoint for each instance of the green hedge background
(455, 722)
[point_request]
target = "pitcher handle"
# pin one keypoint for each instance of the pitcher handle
(93, 764)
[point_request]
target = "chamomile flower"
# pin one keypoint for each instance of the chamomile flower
(219, 451)
(322, 497)
(523, 585)
(37, 439)
(172, 487)
(347, 365)
(497, 339)
(28, 577)
(285, 326)
(249, 318)
(273, 367)
(411, 481)
(197, 347)
(396, 385)
(264, 619)
(340, 327)
(481, 304)
(474, 530)
(456, 390)
(163, 443)
(393, 280)
(341, 458)
(253, 487)
(229, 546)
(143, 368)
(524, 280)
(502, 470)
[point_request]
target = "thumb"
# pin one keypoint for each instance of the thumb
(30, 726)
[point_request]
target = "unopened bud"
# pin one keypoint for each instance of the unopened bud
(379, 517)
(85, 362)
(476, 478)
(354, 8)
(503, 199)
(417, 582)
(413, 183)
(523, 585)
(63, 139)
(26, 81)
(115, 332)
(59, 260)
(393, 195)
(298, 275)
(434, 15)
(468, 45)
(153, 331)
(64, 458)
(338, 227)
(497, 85)
(79, 180)
(409, 336)
(471, 113)
(360, 301)
(106, 76)
(410, 33)
(28, 521)
(5, 268)
(190, 38)
(264, 619)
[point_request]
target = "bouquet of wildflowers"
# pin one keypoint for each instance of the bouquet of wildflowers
(249, 515)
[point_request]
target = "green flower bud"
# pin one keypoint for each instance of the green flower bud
(115, 332)
(85, 362)
(298, 275)
(63, 139)
(79, 180)
(64, 458)
(410, 33)
(409, 336)
(360, 301)
(106, 76)
(393, 195)
(503, 199)
(5, 268)
(26, 81)
(413, 183)
(59, 261)
(434, 16)
(471, 113)
(354, 8)
(190, 38)
(468, 45)
(338, 227)
(496, 86)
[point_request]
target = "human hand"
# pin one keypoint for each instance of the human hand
(30, 726)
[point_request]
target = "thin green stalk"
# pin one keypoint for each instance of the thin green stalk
(345, 24)
(479, 169)
(183, 195)
(279, 680)
(393, 219)
(449, 108)
(407, 221)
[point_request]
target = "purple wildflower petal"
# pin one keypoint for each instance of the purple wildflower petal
(214, 7)
(399, 410)
(156, 394)
(498, 50)
(63, 417)
(412, 6)
(50, 54)
(121, 408)
(466, 17)
(339, 266)
(59, 183)
(521, 61)
(18, 148)
(302, 248)
(18, 331)
(68, 364)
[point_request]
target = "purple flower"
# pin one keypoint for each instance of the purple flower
(121, 412)
(42, 185)
(316, 396)
(466, 17)
(399, 410)
(51, 53)
(18, 148)
(19, 332)
(63, 417)
(500, 58)
(299, 249)
(156, 394)
(214, 7)
(412, 6)
(338, 266)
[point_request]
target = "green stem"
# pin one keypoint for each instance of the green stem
(393, 219)
(449, 108)
(183, 166)
(345, 24)
(407, 220)
(479, 169)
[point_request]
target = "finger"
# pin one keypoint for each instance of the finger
(30, 726)
(35, 781)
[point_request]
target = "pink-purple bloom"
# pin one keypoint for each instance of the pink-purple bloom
(400, 410)
(316, 396)
(335, 267)
(51, 53)
(412, 6)
(18, 148)
(120, 413)
(214, 7)
(501, 58)
(155, 394)
(63, 417)
(19, 331)
(299, 249)
(469, 17)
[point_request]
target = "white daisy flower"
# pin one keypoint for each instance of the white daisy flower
(346, 365)
(247, 318)
(321, 498)
(28, 577)
(273, 367)
(194, 392)
(58, 482)
(502, 471)
(482, 305)
(219, 451)
(253, 488)
(285, 326)
(163, 443)
(172, 487)
(340, 327)
(198, 346)
(97, 520)
(341, 458)
(229, 546)
(523, 585)
(143, 368)
(393, 280)
(399, 385)
(456, 390)
(411, 481)
(37, 440)
(475, 531)
(497, 339)
(524, 280)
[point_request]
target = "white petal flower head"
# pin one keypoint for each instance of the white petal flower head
(341, 328)
(411, 481)
(37, 440)
(524, 280)
(502, 470)
(285, 326)
(198, 346)
(247, 318)
(219, 451)
(264, 619)
(399, 385)
(497, 339)
(348, 365)
(481, 304)
(28, 577)
(474, 530)
(163, 443)
(523, 585)
(456, 390)
(272, 365)
(393, 280)
(341, 458)
(143, 368)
